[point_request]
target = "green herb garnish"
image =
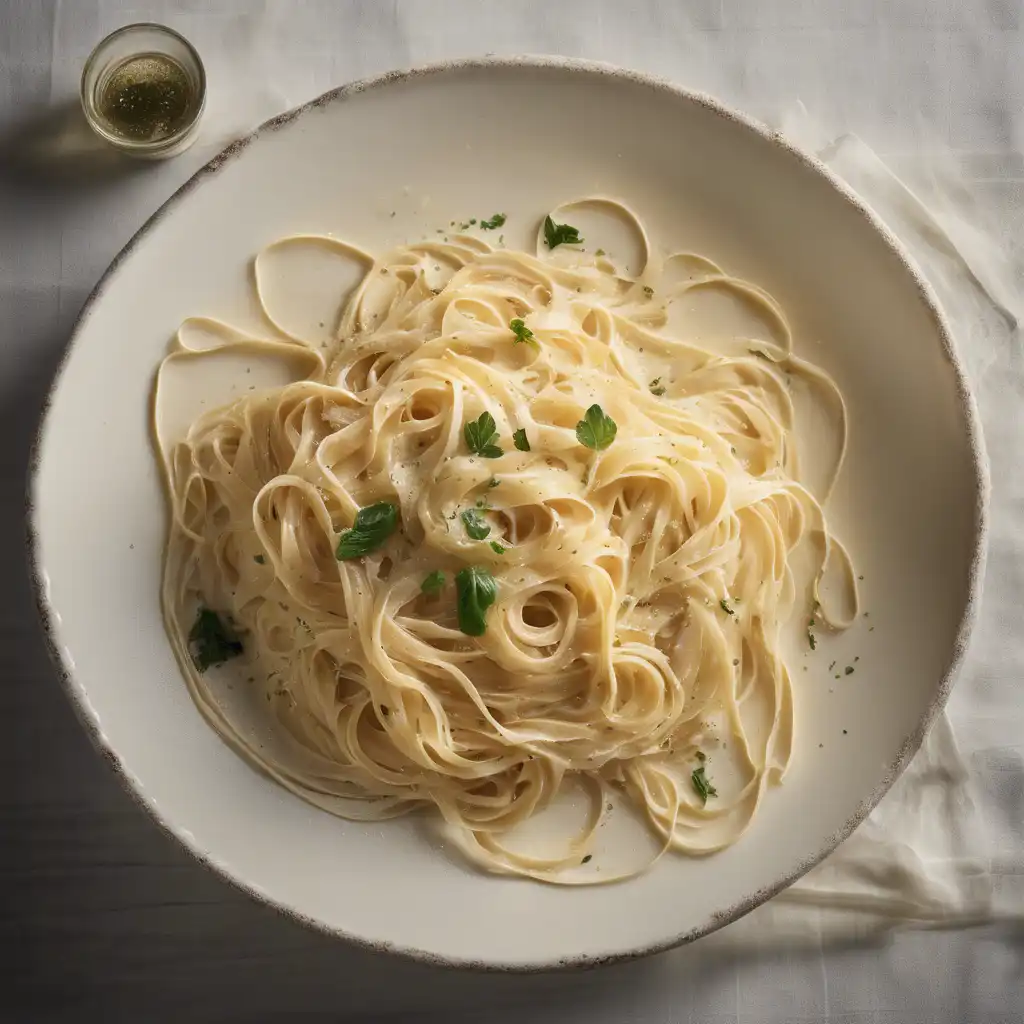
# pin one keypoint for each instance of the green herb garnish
(848, 670)
(476, 590)
(812, 640)
(560, 234)
(519, 439)
(480, 437)
(702, 784)
(476, 525)
(497, 548)
(648, 291)
(596, 430)
(433, 583)
(586, 860)
(656, 387)
(493, 482)
(259, 559)
(726, 608)
(523, 333)
(373, 525)
(212, 641)
(495, 222)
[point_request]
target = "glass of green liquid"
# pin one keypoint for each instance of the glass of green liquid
(144, 90)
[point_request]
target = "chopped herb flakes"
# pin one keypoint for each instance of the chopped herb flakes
(373, 525)
(726, 607)
(497, 221)
(812, 640)
(211, 641)
(560, 234)
(259, 560)
(476, 591)
(702, 784)
(475, 524)
(519, 439)
(522, 333)
(481, 436)
(648, 291)
(586, 860)
(596, 430)
(433, 583)
(848, 670)
(497, 548)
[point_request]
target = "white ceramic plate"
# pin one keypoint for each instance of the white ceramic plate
(391, 159)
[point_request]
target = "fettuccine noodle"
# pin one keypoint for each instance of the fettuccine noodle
(640, 588)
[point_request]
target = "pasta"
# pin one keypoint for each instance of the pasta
(508, 534)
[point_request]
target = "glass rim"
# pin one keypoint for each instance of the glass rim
(136, 145)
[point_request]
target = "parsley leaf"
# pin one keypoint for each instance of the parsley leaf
(495, 222)
(656, 387)
(476, 590)
(480, 437)
(519, 439)
(523, 333)
(596, 430)
(212, 641)
(702, 784)
(433, 583)
(373, 525)
(476, 525)
(497, 548)
(560, 234)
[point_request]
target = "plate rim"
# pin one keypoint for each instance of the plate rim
(78, 697)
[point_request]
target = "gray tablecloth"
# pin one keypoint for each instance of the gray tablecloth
(100, 911)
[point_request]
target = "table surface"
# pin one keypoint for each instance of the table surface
(100, 910)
